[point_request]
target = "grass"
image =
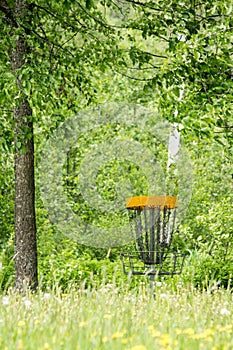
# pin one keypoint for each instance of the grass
(112, 318)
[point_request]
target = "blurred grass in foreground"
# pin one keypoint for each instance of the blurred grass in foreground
(113, 318)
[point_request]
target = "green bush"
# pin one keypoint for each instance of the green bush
(7, 266)
(202, 270)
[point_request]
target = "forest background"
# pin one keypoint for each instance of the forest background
(172, 57)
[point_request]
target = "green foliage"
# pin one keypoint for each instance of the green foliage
(111, 180)
(207, 229)
(6, 196)
(177, 55)
(203, 270)
(7, 265)
(63, 261)
(196, 54)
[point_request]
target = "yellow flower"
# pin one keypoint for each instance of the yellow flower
(165, 339)
(107, 316)
(138, 347)
(188, 331)
(215, 347)
(195, 336)
(209, 339)
(93, 335)
(20, 344)
(178, 331)
(46, 346)
(21, 323)
(228, 346)
(82, 324)
(124, 341)
(150, 328)
(227, 328)
(104, 339)
(207, 332)
(117, 335)
(155, 334)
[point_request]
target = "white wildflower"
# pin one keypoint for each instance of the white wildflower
(224, 311)
(163, 296)
(158, 284)
(27, 303)
(47, 296)
(5, 300)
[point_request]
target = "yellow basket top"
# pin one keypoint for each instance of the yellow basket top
(142, 202)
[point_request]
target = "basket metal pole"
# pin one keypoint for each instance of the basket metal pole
(152, 236)
(152, 249)
(158, 223)
(152, 281)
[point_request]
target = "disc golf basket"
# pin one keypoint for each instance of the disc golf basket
(152, 222)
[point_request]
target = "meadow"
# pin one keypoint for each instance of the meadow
(110, 317)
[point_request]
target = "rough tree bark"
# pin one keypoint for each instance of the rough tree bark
(25, 257)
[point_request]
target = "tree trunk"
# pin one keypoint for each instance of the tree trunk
(25, 257)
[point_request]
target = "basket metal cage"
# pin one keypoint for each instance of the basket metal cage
(164, 264)
(152, 221)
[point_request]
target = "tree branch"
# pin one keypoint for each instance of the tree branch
(92, 17)
(155, 55)
(47, 40)
(138, 3)
(82, 25)
(133, 78)
(5, 8)
(46, 10)
(144, 68)
(227, 127)
(149, 53)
